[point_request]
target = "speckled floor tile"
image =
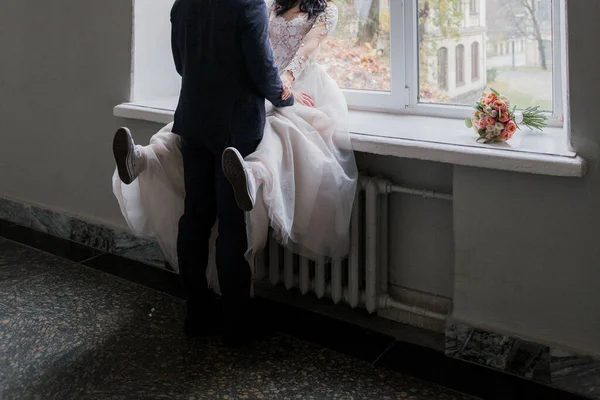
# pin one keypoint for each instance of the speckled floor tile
(19, 263)
(29, 348)
(93, 373)
(87, 302)
(336, 376)
(206, 367)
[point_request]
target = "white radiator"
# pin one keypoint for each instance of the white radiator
(362, 279)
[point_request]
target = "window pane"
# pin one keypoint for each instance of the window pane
(467, 46)
(357, 55)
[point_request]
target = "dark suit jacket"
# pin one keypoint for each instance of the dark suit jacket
(222, 51)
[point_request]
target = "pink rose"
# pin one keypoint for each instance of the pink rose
(505, 134)
(504, 117)
(482, 123)
(499, 105)
(511, 127)
(490, 120)
(491, 97)
(509, 130)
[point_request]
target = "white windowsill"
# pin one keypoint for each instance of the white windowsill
(426, 138)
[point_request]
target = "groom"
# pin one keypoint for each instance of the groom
(221, 50)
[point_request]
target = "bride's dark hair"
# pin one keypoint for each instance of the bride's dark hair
(311, 7)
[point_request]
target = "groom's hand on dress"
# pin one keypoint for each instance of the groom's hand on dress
(287, 92)
(304, 98)
(287, 78)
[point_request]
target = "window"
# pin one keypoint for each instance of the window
(443, 68)
(474, 7)
(460, 65)
(414, 55)
(515, 48)
(475, 61)
(400, 55)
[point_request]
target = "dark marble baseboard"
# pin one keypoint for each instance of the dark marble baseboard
(102, 238)
(551, 366)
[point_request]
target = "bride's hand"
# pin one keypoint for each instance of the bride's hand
(304, 98)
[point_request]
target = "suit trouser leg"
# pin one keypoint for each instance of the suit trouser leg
(234, 271)
(195, 225)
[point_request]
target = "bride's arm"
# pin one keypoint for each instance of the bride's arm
(323, 26)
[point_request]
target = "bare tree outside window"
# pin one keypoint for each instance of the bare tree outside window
(530, 18)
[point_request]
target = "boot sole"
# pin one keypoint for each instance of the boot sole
(233, 168)
(121, 150)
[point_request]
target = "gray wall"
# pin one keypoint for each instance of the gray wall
(528, 247)
(421, 247)
(65, 65)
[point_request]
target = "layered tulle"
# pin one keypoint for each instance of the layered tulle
(307, 172)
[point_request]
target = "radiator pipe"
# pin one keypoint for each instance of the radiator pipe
(371, 256)
(428, 194)
(383, 244)
(386, 186)
(354, 260)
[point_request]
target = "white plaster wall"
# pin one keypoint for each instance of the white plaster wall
(63, 66)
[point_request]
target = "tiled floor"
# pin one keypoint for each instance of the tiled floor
(72, 332)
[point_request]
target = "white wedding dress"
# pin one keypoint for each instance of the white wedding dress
(304, 165)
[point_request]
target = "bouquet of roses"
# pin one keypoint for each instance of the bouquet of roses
(494, 121)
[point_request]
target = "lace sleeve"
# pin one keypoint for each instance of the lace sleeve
(323, 26)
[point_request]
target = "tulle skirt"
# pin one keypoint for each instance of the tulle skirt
(305, 167)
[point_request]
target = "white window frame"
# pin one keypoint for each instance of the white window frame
(403, 98)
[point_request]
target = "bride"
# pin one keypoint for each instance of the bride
(301, 180)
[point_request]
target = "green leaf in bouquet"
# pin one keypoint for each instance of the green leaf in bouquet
(468, 123)
(481, 132)
(495, 92)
